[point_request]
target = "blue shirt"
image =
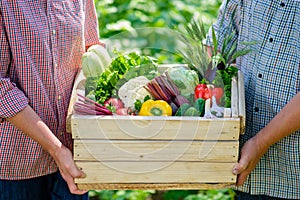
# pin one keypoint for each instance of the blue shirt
(272, 78)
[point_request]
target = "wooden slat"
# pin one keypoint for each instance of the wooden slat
(241, 92)
(234, 98)
(78, 87)
(227, 112)
(137, 150)
(154, 186)
(138, 127)
(156, 172)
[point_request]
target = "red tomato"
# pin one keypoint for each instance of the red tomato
(115, 102)
(218, 93)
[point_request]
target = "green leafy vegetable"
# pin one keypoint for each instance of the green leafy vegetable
(122, 68)
(185, 79)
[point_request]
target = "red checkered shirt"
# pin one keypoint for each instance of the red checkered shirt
(41, 43)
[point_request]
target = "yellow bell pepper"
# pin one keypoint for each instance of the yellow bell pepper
(155, 108)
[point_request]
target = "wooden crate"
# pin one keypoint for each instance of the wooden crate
(139, 152)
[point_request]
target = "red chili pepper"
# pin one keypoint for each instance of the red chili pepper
(202, 91)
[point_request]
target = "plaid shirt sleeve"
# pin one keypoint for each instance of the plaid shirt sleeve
(91, 21)
(12, 100)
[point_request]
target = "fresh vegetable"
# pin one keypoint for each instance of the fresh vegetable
(225, 81)
(202, 91)
(95, 61)
(185, 79)
(182, 109)
(112, 78)
(138, 103)
(191, 111)
(207, 113)
(141, 66)
(86, 106)
(156, 108)
(200, 106)
(133, 90)
(163, 88)
(122, 111)
(215, 109)
(218, 93)
(92, 65)
(114, 104)
(102, 53)
(174, 108)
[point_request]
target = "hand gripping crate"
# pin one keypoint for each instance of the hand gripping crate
(163, 153)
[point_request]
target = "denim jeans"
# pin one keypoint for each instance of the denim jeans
(246, 196)
(49, 187)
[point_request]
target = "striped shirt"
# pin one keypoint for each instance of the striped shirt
(272, 78)
(41, 43)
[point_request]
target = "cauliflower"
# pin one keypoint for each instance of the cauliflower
(133, 90)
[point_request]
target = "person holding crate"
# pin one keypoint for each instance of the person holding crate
(41, 44)
(269, 163)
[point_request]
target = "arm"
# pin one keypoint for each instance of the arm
(30, 124)
(15, 109)
(283, 124)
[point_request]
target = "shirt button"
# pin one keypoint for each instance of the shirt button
(59, 97)
(256, 109)
(53, 32)
(259, 75)
(271, 40)
(282, 4)
(61, 133)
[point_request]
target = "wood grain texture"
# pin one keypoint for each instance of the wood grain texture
(137, 150)
(156, 172)
(157, 128)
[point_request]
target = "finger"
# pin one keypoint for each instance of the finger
(74, 189)
(71, 184)
(241, 166)
(242, 178)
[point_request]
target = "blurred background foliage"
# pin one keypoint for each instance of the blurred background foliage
(117, 18)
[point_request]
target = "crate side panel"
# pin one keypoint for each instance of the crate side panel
(241, 92)
(137, 150)
(84, 127)
(234, 98)
(156, 172)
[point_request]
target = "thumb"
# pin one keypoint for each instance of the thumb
(240, 166)
(78, 173)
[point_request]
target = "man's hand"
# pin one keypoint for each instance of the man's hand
(68, 169)
(251, 153)
(30, 123)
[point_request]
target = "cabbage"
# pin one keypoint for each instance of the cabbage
(185, 79)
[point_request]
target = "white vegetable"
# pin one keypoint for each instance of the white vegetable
(101, 53)
(207, 113)
(215, 108)
(133, 90)
(92, 65)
